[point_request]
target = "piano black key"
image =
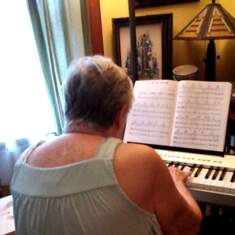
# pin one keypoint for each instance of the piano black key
(215, 174)
(209, 172)
(233, 177)
(176, 164)
(198, 171)
(192, 168)
(181, 167)
(222, 175)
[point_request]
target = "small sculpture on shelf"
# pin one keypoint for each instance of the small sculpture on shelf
(147, 63)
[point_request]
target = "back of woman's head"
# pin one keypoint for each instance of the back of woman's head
(95, 91)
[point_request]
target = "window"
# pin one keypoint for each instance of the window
(24, 102)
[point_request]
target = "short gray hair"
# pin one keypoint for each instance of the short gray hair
(95, 91)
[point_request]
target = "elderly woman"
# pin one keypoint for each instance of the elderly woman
(87, 181)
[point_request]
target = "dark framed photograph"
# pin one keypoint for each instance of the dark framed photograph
(151, 3)
(154, 45)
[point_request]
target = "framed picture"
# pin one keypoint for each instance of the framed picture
(151, 3)
(154, 45)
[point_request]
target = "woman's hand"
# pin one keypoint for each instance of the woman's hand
(179, 175)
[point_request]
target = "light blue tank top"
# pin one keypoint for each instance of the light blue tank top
(81, 198)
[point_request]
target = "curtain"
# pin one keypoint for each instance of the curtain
(61, 35)
(26, 115)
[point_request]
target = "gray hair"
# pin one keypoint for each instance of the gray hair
(95, 91)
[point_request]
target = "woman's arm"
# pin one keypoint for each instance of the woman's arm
(175, 208)
(147, 181)
(180, 177)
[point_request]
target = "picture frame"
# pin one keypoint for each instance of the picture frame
(154, 45)
(152, 3)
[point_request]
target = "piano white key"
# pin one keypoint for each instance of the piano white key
(198, 181)
(194, 171)
(232, 187)
(226, 182)
(219, 175)
(228, 176)
(203, 173)
(221, 185)
(214, 184)
(187, 168)
(203, 183)
(180, 167)
(207, 182)
(202, 177)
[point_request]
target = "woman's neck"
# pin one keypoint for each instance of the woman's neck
(90, 129)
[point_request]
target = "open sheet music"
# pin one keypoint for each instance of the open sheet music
(188, 114)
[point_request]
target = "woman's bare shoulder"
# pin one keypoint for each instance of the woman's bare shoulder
(137, 153)
(65, 149)
(136, 167)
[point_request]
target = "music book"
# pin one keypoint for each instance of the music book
(185, 114)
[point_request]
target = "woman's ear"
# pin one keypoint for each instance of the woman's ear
(121, 117)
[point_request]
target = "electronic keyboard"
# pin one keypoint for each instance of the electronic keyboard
(212, 179)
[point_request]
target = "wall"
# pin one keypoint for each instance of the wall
(184, 52)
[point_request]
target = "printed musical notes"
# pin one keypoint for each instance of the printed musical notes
(190, 114)
(151, 116)
(201, 115)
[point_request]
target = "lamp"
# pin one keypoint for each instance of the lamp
(212, 22)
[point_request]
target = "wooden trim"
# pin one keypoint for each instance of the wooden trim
(4, 190)
(152, 3)
(95, 27)
(133, 52)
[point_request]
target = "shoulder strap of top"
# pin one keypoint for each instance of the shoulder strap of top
(28, 151)
(108, 148)
(23, 158)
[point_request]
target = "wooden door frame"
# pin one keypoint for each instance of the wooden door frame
(95, 27)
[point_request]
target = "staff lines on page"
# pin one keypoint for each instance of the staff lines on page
(203, 126)
(201, 86)
(149, 123)
(195, 108)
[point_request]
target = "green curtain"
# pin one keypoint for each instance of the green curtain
(61, 35)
